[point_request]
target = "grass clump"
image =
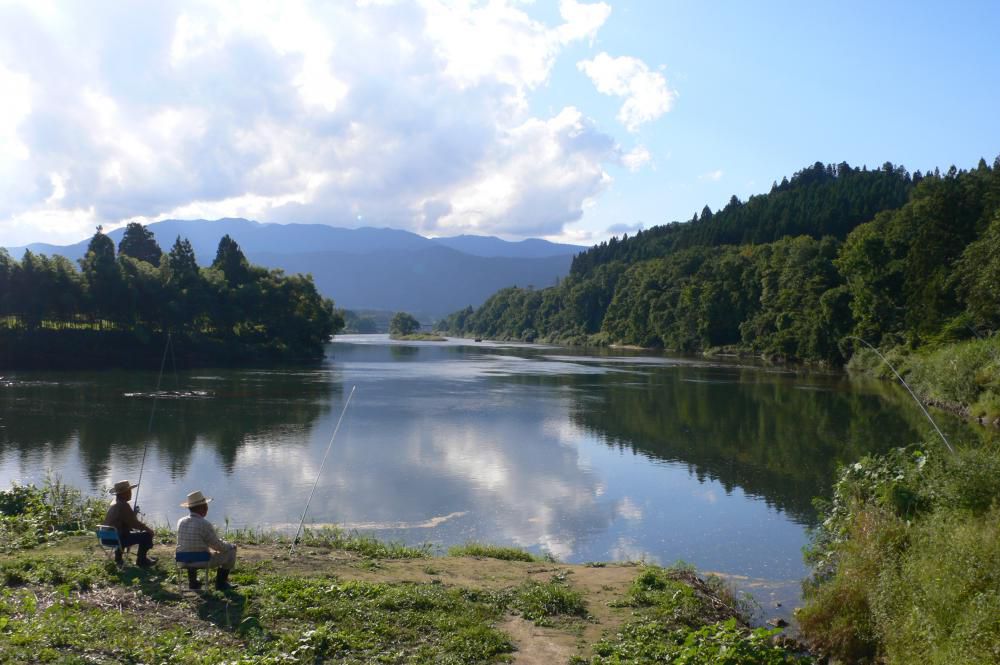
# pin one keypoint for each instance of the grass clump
(960, 376)
(906, 564)
(30, 515)
(542, 601)
(723, 643)
(496, 552)
(328, 538)
(681, 619)
(375, 622)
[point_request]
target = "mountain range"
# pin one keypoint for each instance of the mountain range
(369, 268)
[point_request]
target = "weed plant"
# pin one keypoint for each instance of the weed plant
(906, 563)
(963, 376)
(496, 552)
(676, 621)
(31, 515)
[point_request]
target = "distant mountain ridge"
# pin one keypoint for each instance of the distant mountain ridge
(368, 268)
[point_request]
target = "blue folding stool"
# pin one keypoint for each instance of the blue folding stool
(196, 560)
(107, 536)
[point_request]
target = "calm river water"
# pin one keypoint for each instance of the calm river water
(588, 457)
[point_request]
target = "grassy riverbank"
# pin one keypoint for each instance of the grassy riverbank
(344, 599)
(962, 377)
(907, 561)
(419, 337)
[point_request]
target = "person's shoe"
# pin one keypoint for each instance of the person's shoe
(193, 582)
(119, 557)
(222, 580)
(145, 562)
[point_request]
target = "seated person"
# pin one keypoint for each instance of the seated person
(196, 534)
(130, 530)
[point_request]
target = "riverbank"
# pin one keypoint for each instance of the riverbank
(906, 560)
(348, 599)
(418, 337)
(961, 377)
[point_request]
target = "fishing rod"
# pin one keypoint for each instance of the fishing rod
(336, 429)
(910, 390)
(149, 429)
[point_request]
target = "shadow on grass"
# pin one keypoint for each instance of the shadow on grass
(225, 609)
(156, 582)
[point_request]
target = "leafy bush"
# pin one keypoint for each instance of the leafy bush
(906, 563)
(30, 515)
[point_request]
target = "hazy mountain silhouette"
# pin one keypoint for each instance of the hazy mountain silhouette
(369, 268)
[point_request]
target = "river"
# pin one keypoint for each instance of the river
(585, 455)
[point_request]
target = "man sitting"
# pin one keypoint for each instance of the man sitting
(196, 534)
(130, 530)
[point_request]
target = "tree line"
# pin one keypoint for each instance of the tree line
(143, 291)
(835, 252)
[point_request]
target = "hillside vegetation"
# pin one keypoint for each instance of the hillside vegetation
(836, 251)
(119, 309)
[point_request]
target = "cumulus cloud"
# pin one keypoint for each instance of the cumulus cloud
(645, 92)
(712, 176)
(404, 114)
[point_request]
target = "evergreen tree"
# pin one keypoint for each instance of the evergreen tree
(139, 243)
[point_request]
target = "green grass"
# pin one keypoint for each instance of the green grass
(419, 337)
(962, 376)
(334, 539)
(675, 622)
(907, 561)
(31, 516)
(542, 601)
(496, 552)
(61, 601)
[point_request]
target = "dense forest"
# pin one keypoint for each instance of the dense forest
(124, 306)
(834, 252)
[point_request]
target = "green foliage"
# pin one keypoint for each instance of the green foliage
(230, 312)
(494, 552)
(676, 624)
(403, 324)
(542, 601)
(788, 274)
(962, 374)
(139, 243)
(907, 561)
(359, 622)
(31, 515)
(329, 538)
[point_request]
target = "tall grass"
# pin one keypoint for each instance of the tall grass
(907, 561)
(962, 376)
(30, 515)
(496, 552)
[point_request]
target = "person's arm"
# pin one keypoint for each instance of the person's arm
(212, 539)
(131, 521)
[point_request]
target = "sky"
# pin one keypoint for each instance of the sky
(564, 119)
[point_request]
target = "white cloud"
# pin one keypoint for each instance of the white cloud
(646, 94)
(713, 176)
(406, 114)
(636, 158)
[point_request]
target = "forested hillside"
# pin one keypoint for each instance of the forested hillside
(123, 306)
(833, 252)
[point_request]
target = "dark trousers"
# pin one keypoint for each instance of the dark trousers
(143, 539)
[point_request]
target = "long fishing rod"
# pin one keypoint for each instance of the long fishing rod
(149, 429)
(320, 472)
(910, 390)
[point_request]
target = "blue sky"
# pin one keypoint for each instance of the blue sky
(564, 119)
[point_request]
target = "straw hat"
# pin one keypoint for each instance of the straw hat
(122, 486)
(196, 498)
